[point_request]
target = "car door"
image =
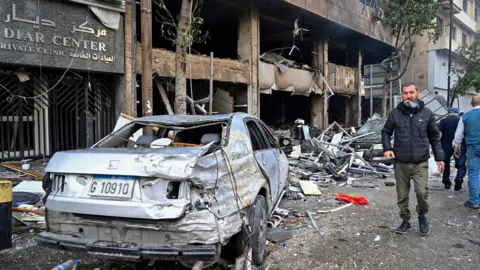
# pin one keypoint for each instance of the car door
(265, 155)
(281, 157)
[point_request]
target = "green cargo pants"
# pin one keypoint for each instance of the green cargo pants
(404, 172)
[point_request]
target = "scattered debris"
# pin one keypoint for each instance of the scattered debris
(377, 238)
(31, 174)
(352, 199)
(278, 235)
(312, 219)
(363, 185)
(334, 210)
(310, 188)
(389, 182)
(294, 189)
(70, 264)
(282, 212)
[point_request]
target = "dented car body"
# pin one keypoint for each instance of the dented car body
(125, 198)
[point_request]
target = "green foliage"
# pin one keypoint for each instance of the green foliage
(467, 69)
(412, 17)
(169, 29)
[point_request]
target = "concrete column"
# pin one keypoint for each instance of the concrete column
(355, 102)
(249, 52)
(359, 88)
(319, 103)
(127, 100)
(349, 110)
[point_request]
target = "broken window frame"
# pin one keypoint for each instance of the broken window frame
(268, 135)
(161, 131)
(264, 145)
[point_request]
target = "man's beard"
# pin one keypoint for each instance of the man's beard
(411, 104)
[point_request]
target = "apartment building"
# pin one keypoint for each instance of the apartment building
(429, 64)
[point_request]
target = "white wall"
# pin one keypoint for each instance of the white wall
(438, 79)
(440, 70)
(463, 103)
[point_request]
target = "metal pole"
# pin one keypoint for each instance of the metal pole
(371, 90)
(134, 59)
(450, 52)
(210, 100)
(390, 92)
(147, 80)
(359, 104)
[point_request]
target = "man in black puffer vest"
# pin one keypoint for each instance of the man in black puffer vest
(415, 130)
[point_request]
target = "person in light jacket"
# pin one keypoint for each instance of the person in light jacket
(469, 129)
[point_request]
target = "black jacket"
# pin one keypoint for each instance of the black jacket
(448, 126)
(415, 130)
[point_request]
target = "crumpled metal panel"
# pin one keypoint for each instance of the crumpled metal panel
(196, 227)
(169, 162)
(221, 184)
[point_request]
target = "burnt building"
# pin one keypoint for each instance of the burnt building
(278, 59)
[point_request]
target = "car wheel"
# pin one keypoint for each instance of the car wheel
(256, 238)
(258, 224)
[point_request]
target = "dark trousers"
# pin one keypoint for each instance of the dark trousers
(459, 164)
(405, 173)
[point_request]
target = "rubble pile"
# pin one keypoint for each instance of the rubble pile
(329, 158)
(28, 209)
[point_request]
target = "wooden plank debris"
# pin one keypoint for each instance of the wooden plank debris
(37, 176)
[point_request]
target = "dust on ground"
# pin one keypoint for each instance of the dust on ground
(356, 237)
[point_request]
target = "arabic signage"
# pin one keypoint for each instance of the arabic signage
(58, 34)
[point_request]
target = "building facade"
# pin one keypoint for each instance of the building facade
(429, 65)
(69, 68)
(62, 64)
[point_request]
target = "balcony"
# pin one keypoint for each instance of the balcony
(456, 6)
(442, 44)
(466, 21)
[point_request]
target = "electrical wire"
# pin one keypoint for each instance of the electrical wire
(235, 193)
(13, 96)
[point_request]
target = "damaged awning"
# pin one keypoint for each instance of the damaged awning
(297, 81)
(113, 5)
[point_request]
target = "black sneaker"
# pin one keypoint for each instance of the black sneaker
(404, 227)
(458, 185)
(448, 186)
(423, 225)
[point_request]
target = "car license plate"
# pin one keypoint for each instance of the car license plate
(112, 186)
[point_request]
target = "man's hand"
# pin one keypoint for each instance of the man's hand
(456, 153)
(389, 155)
(440, 166)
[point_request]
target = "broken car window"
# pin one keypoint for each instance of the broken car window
(268, 135)
(256, 137)
(131, 135)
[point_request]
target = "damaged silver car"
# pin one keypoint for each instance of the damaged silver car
(177, 188)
